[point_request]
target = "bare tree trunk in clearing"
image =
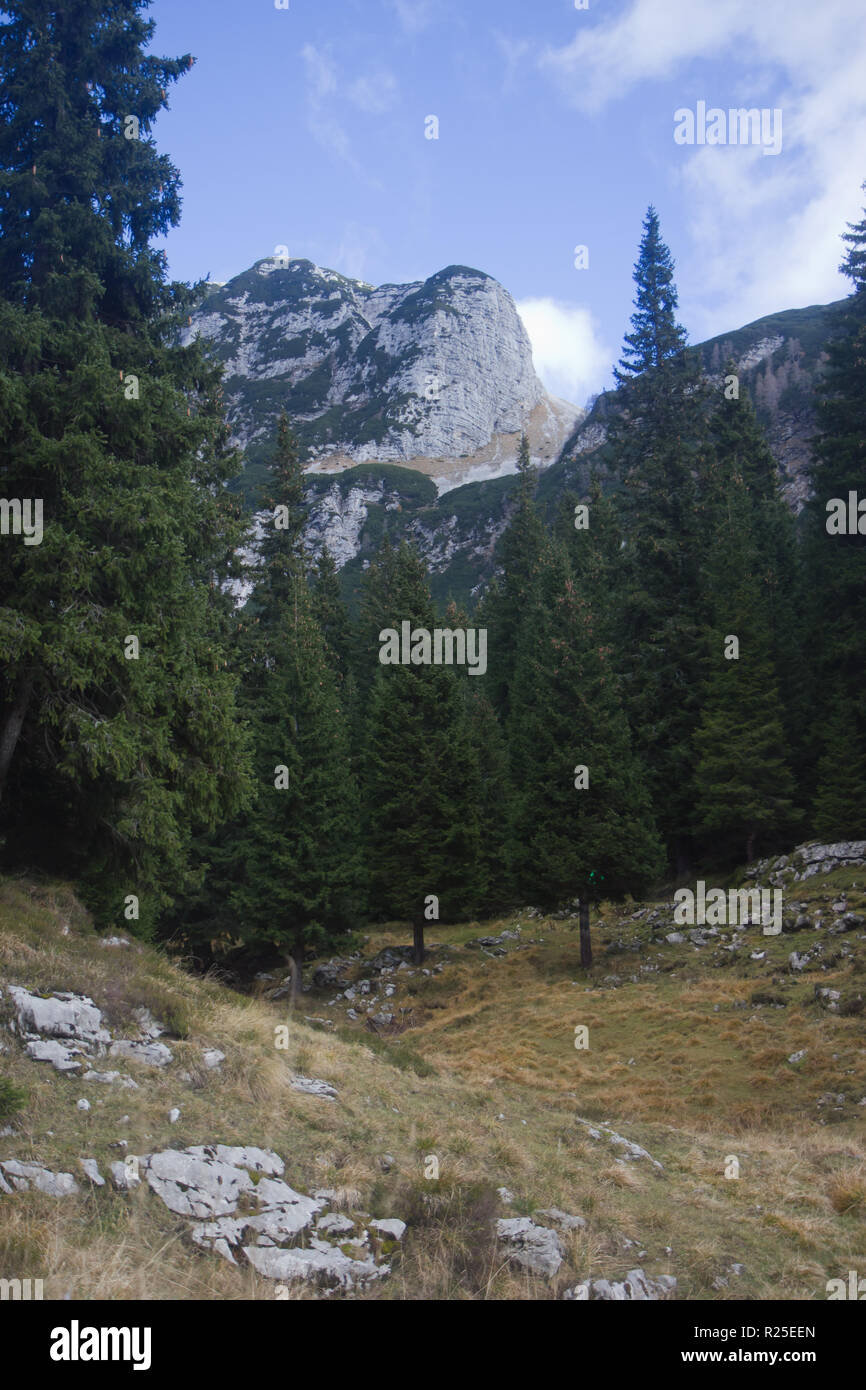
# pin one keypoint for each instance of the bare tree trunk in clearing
(418, 936)
(295, 962)
(585, 939)
(11, 730)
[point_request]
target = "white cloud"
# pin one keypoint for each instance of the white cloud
(765, 231)
(358, 247)
(414, 15)
(568, 354)
(323, 123)
(374, 92)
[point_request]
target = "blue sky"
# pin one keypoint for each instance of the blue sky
(305, 127)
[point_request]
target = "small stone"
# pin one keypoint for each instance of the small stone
(91, 1171)
(82, 1105)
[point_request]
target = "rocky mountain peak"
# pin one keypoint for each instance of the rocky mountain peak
(435, 375)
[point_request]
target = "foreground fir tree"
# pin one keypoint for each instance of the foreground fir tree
(836, 563)
(582, 820)
(656, 434)
(420, 773)
(743, 785)
(109, 760)
(292, 867)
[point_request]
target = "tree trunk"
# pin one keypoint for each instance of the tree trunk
(750, 847)
(585, 939)
(295, 962)
(418, 937)
(683, 856)
(11, 730)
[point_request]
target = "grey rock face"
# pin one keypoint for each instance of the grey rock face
(150, 1054)
(390, 1227)
(636, 1286)
(61, 1058)
(434, 370)
(59, 1016)
(630, 1150)
(313, 1087)
(535, 1248)
(562, 1219)
(23, 1176)
(314, 1266)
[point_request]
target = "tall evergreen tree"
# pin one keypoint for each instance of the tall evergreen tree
(108, 761)
(520, 557)
(656, 434)
(582, 824)
(292, 867)
(836, 563)
(420, 784)
(744, 788)
(331, 613)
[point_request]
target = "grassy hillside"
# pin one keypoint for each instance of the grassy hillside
(688, 1057)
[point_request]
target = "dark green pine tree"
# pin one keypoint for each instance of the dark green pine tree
(740, 455)
(743, 785)
(519, 556)
(495, 886)
(656, 435)
(582, 822)
(108, 763)
(331, 612)
(836, 567)
(292, 868)
(420, 772)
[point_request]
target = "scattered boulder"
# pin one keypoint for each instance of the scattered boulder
(23, 1176)
(635, 1287)
(535, 1248)
(331, 975)
(390, 1227)
(60, 1015)
(149, 1054)
(90, 1168)
(632, 1151)
(313, 1087)
(61, 1057)
(315, 1266)
(562, 1219)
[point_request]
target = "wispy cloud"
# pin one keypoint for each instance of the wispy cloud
(568, 353)
(323, 121)
(414, 15)
(374, 92)
(762, 228)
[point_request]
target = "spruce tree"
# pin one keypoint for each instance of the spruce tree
(292, 867)
(520, 558)
(420, 773)
(111, 761)
(836, 563)
(743, 785)
(656, 434)
(331, 612)
(582, 821)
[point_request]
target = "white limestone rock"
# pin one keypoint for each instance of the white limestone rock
(313, 1087)
(149, 1054)
(535, 1248)
(23, 1176)
(315, 1266)
(60, 1015)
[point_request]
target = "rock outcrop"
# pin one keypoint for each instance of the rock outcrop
(436, 374)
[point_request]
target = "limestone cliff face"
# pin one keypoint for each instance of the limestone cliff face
(435, 375)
